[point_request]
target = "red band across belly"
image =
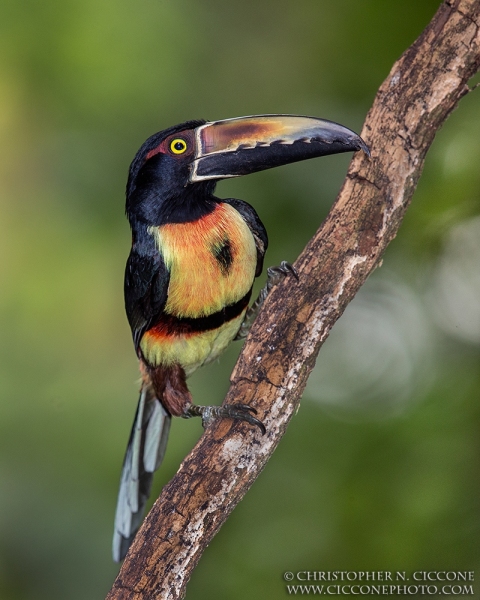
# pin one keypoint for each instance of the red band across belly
(169, 325)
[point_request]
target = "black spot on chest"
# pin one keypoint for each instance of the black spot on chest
(223, 253)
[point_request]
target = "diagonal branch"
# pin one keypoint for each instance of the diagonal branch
(422, 89)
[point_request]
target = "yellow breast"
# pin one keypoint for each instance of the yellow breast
(211, 262)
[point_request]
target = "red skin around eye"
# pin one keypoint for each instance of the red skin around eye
(164, 146)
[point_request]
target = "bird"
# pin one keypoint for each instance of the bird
(191, 269)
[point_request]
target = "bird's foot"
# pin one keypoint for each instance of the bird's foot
(274, 277)
(276, 274)
(240, 412)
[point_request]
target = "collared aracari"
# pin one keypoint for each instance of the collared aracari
(191, 269)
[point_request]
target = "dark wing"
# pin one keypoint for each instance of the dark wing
(256, 227)
(146, 287)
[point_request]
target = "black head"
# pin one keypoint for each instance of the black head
(159, 186)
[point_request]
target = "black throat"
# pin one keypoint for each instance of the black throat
(154, 205)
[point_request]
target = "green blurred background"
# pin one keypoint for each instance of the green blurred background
(380, 468)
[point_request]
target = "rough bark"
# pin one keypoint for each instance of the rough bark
(422, 89)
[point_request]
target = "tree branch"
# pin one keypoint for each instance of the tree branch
(422, 89)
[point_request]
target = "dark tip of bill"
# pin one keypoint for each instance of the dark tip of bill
(363, 146)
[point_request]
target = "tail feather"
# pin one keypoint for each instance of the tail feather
(145, 451)
(156, 436)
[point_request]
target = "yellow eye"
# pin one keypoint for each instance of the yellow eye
(178, 146)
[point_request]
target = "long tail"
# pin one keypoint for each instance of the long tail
(145, 452)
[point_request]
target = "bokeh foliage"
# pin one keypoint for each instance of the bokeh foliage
(380, 468)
